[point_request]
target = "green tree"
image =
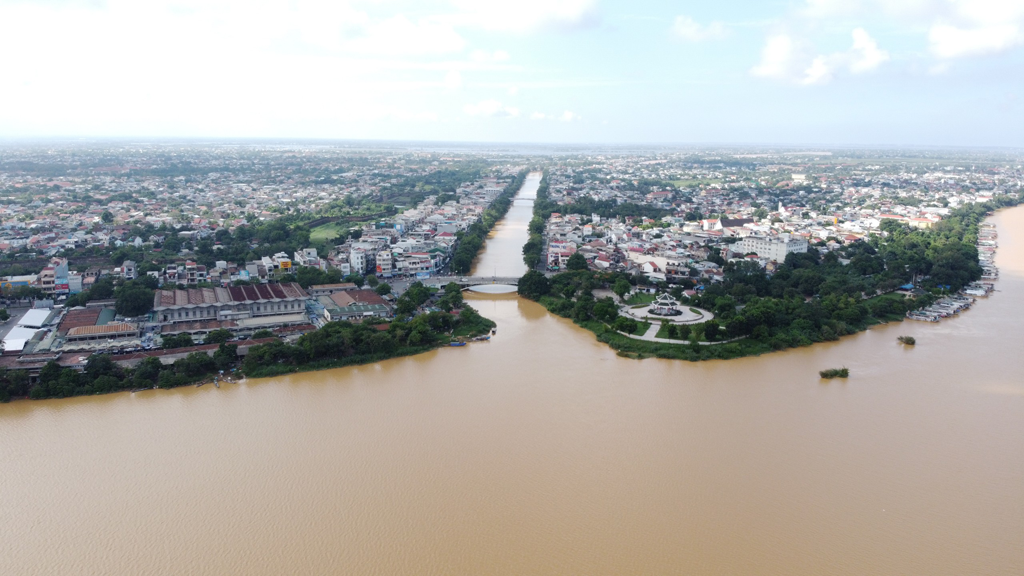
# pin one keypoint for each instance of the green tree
(195, 365)
(102, 289)
(218, 336)
(147, 372)
(711, 330)
(623, 324)
(533, 285)
(576, 262)
(133, 299)
(225, 356)
(49, 373)
(178, 341)
(101, 365)
(621, 287)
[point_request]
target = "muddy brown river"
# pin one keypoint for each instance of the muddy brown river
(542, 452)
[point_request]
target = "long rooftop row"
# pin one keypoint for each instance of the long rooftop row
(229, 295)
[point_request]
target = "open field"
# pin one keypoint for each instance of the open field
(327, 232)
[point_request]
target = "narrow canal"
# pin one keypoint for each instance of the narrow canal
(502, 255)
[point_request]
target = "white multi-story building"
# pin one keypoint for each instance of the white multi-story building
(772, 247)
(357, 260)
(385, 263)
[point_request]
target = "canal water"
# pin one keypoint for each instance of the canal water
(503, 254)
(542, 452)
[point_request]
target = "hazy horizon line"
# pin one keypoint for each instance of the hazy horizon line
(824, 147)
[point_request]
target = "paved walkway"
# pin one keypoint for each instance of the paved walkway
(651, 336)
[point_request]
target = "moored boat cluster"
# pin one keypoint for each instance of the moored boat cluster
(944, 308)
(952, 305)
(987, 245)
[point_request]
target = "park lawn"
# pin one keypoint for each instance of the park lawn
(663, 332)
(326, 232)
(642, 328)
(640, 299)
(687, 183)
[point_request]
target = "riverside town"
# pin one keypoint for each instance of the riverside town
(130, 267)
(512, 288)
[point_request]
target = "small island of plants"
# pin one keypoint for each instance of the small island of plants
(908, 340)
(835, 373)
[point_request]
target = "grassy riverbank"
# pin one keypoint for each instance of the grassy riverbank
(344, 344)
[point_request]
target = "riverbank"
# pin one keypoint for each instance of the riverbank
(336, 345)
(699, 350)
(340, 344)
(810, 298)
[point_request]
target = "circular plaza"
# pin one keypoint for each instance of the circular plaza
(667, 309)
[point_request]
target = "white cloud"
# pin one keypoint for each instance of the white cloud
(864, 55)
(819, 72)
(976, 28)
(453, 80)
(947, 41)
(956, 28)
(526, 15)
(777, 57)
(401, 36)
(784, 58)
(205, 67)
(566, 116)
(485, 56)
(688, 29)
(491, 108)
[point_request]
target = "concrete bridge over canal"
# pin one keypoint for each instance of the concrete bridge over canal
(469, 281)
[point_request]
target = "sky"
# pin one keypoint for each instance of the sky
(796, 72)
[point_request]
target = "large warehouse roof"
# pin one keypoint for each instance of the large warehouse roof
(34, 318)
(218, 295)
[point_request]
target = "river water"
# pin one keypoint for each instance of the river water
(542, 452)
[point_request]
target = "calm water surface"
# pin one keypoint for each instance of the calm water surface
(542, 452)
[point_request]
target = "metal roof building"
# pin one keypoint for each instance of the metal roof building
(35, 318)
(233, 303)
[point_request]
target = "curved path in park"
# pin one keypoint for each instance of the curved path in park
(650, 336)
